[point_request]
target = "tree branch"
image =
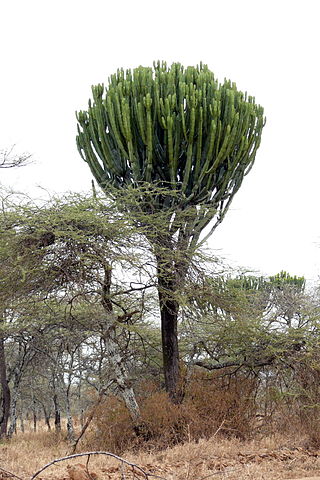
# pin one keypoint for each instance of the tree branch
(9, 160)
(108, 454)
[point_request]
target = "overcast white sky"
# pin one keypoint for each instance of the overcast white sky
(53, 51)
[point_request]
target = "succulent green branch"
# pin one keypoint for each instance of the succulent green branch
(173, 127)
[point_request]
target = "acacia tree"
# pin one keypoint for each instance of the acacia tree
(64, 255)
(184, 143)
(246, 322)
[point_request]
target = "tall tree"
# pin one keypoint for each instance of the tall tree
(184, 143)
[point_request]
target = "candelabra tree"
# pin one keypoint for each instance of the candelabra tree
(182, 142)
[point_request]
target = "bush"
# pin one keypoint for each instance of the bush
(112, 427)
(211, 403)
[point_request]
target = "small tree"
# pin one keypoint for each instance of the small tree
(184, 142)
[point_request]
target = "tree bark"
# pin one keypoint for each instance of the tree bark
(13, 415)
(6, 397)
(17, 375)
(169, 309)
(70, 429)
(35, 419)
(46, 417)
(170, 278)
(120, 374)
(57, 414)
(115, 355)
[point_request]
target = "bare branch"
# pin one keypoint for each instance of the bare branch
(237, 363)
(108, 454)
(217, 366)
(8, 159)
(89, 419)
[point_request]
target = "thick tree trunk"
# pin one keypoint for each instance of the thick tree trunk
(169, 309)
(173, 253)
(6, 398)
(168, 281)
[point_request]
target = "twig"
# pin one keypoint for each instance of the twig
(10, 474)
(108, 454)
(87, 467)
(219, 428)
(88, 421)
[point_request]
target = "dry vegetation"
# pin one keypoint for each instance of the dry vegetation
(275, 457)
(213, 434)
(211, 403)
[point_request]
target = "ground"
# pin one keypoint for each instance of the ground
(271, 458)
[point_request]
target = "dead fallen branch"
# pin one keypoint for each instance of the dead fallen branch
(135, 469)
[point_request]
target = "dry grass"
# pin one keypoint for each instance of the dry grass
(26, 452)
(212, 434)
(275, 458)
